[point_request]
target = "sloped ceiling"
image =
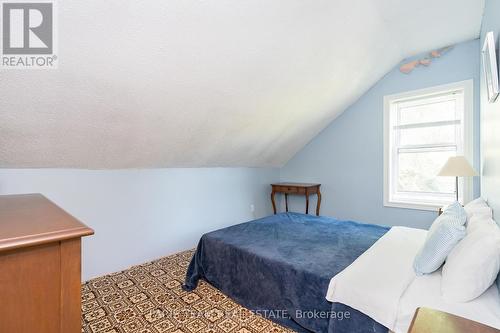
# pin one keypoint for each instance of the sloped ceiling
(170, 83)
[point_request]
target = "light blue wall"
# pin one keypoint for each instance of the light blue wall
(490, 120)
(347, 157)
(140, 215)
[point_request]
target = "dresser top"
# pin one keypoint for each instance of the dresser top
(32, 219)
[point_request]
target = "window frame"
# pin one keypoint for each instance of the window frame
(465, 183)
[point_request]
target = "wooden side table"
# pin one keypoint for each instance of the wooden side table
(296, 188)
(428, 320)
(40, 280)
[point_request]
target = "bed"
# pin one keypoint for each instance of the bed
(281, 266)
(318, 274)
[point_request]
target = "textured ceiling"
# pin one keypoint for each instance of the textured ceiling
(170, 83)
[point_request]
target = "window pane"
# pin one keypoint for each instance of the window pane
(418, 172)
(429, 112)
(428, 135)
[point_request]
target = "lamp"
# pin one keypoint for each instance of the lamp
(457, 166)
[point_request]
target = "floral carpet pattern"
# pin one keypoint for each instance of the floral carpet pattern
(149, 299)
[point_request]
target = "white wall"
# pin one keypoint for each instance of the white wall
(490, 122)
(176, 83)
(140, 215)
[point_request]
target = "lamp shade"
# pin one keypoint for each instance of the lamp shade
(457, 166)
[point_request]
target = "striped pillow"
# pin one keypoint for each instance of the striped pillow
(445, 232)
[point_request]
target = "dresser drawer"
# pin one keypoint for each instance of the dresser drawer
(287, 189)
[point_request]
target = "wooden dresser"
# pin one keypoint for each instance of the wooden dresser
(40, 266)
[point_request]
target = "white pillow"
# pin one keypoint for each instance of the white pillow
(481, 216)
(473, 265)
(478, 206)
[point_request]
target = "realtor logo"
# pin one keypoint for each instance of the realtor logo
(28, 39)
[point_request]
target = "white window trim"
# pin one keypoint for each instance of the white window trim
(465, 184)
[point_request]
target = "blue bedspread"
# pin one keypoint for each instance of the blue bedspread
(280, 266)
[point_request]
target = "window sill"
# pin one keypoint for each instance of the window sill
(417, 206)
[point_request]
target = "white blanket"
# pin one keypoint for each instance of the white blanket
(375, 282)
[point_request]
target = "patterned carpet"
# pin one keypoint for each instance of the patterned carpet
(149, 299)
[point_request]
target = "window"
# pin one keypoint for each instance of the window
(422, 130)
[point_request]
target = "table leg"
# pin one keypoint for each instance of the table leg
(286, 202)
(307, 203)
(318, 205)
(274, 202)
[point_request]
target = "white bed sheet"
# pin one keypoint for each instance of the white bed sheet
(425, 291)
(375, 281)
(384, 273)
